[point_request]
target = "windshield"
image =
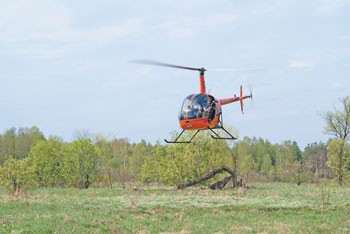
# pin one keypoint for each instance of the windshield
(194, 106)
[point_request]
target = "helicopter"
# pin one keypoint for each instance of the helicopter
(201, 111)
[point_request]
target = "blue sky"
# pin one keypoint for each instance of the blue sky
(65, 64)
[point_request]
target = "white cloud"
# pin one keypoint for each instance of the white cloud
(302, 64)
(339, 87)
(218, 20)
(44, 29)
(45, 20)
(22, 18)
(181, 26)
(330, 6)
(49, 29)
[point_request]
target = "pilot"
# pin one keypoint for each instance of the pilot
(199, 113)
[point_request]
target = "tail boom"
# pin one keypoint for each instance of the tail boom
(224, 101)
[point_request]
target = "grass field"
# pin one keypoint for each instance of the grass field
(263, 208)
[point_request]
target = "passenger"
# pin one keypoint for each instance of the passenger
(199, 113)
(212, 108)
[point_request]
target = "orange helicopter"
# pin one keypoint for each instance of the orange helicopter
(201, 111)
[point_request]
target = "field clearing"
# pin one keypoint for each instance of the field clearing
(263, 208)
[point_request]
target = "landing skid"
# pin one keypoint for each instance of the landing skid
(220, 125)
(215, 136)
(180, 142)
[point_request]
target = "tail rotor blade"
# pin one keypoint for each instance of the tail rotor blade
(241, 100)
(251, 91)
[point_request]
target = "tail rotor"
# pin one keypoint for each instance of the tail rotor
(242, 97)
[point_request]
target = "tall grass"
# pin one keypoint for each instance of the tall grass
(263, 208)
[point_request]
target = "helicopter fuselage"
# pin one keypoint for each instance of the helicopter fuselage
(199, 111)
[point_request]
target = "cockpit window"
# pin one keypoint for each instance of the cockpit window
(194, 106)
(185, 107)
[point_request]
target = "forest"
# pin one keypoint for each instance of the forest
(29, 159)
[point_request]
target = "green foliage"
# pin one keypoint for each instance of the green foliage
(245, 162)
(121, 150)
(177, 163)
(57, 164)
(338, 121)
(110, 162)
(338, 158)
(266, 166)
(47, 158)
(16, 175)
(80, 164)
(150, 170)
(136, 158)
(338, 125)
(315, 157)
(286, 155)
(18, 142)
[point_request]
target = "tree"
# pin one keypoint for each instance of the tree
(315, 156)
(18, 143)
(286, 155)
(8, 144)
(336, 162)
(121, 152)
(25, 139)
(263, 154)
(80, 166)
(193, 160)
(16, 174)
(178, 163)
(136, 158)
(152, 164)
(109, 162)
(47, 158)
(338, 125)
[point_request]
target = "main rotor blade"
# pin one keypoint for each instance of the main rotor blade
(231, 69)
(223, 69)
(156, 63)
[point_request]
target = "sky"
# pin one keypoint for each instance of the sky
(65, 65)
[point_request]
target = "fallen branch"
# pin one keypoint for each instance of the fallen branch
(208, 176)
(220, 184)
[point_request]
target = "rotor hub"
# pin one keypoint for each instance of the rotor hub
(201, 71)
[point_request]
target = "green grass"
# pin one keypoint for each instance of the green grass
(263, 208)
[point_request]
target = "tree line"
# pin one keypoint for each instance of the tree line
(28, 158)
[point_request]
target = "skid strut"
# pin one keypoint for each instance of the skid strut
(180, 142)
(215, 136)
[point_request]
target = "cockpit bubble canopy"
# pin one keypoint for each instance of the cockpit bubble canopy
(195, 106)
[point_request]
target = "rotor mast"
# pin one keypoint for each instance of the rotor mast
(201, 81)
